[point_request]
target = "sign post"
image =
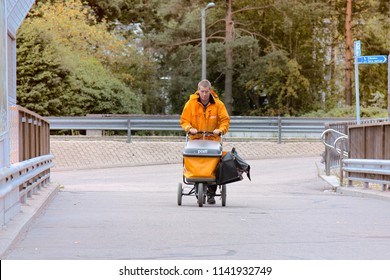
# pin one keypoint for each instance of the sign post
(369, 59)
(357, 54)
(388, 88)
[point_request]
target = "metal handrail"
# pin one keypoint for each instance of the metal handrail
(335, 143)
(333, 155)
(338, 150)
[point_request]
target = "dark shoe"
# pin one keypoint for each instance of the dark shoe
(211, 199)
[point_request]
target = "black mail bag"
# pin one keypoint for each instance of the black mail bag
(231, 167)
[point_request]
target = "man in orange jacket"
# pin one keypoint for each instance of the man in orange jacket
(205, 112)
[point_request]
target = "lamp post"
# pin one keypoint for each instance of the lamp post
(203, 16)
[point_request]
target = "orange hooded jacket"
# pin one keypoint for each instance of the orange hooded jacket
(214, 116)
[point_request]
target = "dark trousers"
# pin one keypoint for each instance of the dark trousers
(212, 189)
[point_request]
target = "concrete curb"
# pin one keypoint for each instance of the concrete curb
(15, 228)
(355, 191)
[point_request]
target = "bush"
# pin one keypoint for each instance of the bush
(349, 112)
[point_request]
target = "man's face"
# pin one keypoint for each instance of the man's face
(204, 93)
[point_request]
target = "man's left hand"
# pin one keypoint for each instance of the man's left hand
(217, 131)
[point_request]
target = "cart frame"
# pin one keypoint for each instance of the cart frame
(199, 185)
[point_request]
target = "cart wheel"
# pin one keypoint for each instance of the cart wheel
(200, 194)
(179, 194)
(223, 195)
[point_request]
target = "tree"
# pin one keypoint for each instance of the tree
(128, 12)
(287, 90)
(284, 26)
(64, 62)
(372, 24)
(40, 75)
(156, 50)
(229, 57)
(348, 53)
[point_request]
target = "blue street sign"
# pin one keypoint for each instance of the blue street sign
(357, 48)
(370, 59)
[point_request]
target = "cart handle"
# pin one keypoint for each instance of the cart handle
(206, 134)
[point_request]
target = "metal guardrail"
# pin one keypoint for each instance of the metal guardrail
(26, 175)
(368, 170)
(20, 181)
(269, 127)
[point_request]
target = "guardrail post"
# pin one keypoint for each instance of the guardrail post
(279, 130)
(128, 130)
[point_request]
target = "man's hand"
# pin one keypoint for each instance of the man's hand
(193, 131)
(217, 131)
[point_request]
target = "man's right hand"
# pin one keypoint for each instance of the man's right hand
(193, 131)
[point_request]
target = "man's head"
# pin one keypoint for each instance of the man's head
(204, 88)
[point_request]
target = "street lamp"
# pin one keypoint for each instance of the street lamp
(203, 16)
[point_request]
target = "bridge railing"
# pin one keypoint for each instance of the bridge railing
(369, 154)
(30, 134)
(30, 161)
(335, 138)
(361, 151)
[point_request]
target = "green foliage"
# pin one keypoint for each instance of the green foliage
(40, 73)
(128, 12)
(262, 29)
(279, 78)
(373, 77)
(378, 100)
(349, 112)
(95, 91)
(128, 56)
(64, 66)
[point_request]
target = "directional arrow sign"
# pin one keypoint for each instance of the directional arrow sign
(370, 59)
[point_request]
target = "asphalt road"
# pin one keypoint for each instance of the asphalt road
(285, 213)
